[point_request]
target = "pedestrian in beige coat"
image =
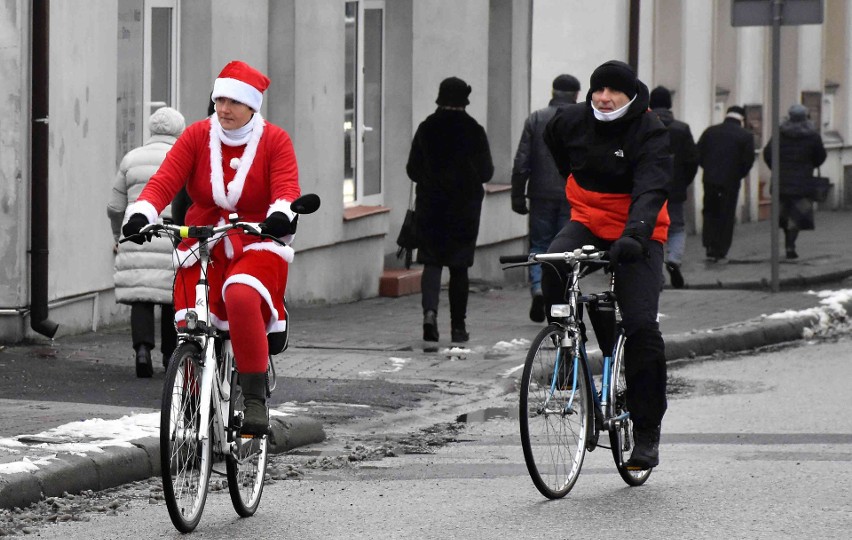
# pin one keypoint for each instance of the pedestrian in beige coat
(144, 273)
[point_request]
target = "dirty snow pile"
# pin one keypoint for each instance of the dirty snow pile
(831, 315)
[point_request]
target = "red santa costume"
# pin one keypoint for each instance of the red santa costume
(250, 171)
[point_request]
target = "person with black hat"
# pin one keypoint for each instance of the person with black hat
(684, 167)
(801, 151)
(726, 153)
(534, 177)
(449, 161)
(615, 154)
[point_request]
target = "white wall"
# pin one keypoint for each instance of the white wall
(574, 36)
(82, 145)
(450, 39)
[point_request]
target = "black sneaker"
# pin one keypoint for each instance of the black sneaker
(646, 449)
(675, 275)
(430, 326)
(537, 308)
(255, 418)
(459, 334)
(144, 368)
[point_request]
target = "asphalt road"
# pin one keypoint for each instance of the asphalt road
(754, 446)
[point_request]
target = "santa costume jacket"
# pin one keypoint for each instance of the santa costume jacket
(252, 180)
(618, 172)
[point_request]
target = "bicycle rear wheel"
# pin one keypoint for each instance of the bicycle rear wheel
(185, 460)
(246, 462)
(621, 433)
(554, 416)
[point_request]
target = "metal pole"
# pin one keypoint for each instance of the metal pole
(777, 8)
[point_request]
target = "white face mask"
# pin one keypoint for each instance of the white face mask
(614, 115)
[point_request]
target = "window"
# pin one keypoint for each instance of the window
(364, 102)
(160, 58)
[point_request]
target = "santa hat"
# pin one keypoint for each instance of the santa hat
(241, 82)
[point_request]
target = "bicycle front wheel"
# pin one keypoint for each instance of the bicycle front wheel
(621, 432)
(555, 413)
(246, 463)
(185, 460)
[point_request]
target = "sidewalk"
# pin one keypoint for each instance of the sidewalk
(723, 308)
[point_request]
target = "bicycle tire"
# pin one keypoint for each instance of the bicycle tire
(554, 444)
(621, 435)
(185, 461)
(245, 463)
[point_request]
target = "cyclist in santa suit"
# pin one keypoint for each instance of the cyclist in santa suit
(233, 162)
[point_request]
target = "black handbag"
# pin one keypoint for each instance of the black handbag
(407, 238)
(820, 187)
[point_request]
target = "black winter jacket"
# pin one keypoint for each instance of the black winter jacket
(449, 161)
(533, 160)
(726, 153)
(801, 152)
(685, 154)
(622, 168)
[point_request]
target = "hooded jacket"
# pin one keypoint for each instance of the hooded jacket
(801, 152)
(684, 153)
(618, 172)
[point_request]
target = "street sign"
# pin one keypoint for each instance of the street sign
(759, 12)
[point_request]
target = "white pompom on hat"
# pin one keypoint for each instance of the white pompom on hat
(241, 82)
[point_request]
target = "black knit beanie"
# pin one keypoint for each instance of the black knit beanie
(566, 83)
(453, 92)
(616, 75)
(661, 98)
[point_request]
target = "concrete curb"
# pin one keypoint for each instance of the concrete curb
(117, 465)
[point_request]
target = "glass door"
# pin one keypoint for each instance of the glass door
(160, 45)
(364, 105)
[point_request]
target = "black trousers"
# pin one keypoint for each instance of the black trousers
(430, 288)
(719, 213)
(142, 326)
(637, 286)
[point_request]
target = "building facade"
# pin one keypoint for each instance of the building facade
(351, 80)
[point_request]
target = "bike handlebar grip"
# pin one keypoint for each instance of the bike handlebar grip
(509, 259)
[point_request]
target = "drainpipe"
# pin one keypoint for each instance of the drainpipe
(633, 36)
(39, 170)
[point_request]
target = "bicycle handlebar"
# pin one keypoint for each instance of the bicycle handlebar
(587, 254)
(306, 204)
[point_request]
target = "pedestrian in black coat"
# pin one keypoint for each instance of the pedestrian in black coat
(726, 153)
(684, 167)
(801, 152)
(449, 161)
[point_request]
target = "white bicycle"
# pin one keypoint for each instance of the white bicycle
(202, 408)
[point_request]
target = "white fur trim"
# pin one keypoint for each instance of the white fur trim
(281, 205)
(238, 91)
(142, 207)
(255, 284)
(229, 200)
(285, 252)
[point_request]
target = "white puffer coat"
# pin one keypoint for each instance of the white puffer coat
(142, 273)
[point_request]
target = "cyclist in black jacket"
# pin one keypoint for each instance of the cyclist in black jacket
(615, 154)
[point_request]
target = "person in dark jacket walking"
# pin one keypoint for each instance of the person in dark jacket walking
(449, 161)
(726, 153)
(801, 152)
(684, 168)
(615, 154)
(534, 177)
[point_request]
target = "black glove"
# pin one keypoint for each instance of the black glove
(277, 224)
(519, 206)
(133, 226)
(627, 249)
